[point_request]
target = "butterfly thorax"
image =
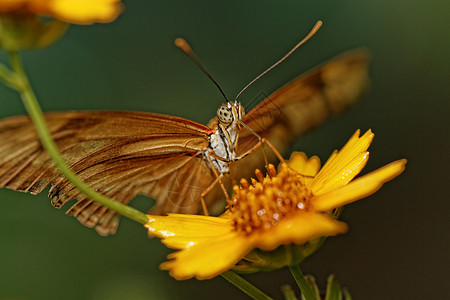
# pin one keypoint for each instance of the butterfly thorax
(223, 141)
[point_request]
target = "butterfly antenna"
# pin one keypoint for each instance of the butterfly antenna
(310, 34)
(184, 46)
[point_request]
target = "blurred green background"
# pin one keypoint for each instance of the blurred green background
(397, 246)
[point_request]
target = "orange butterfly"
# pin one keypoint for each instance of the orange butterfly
(176, 161)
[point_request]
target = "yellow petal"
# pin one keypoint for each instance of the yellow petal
(330, 159)
(302, 165)
(359, 188)
(86, 11)
(298, 229)
(209, 258)
(71, 11)
(337, 161)
(342, 176)
(180, 231)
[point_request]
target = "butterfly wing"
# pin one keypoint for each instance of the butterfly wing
(122, 154)
(304, 103)
(119, 154)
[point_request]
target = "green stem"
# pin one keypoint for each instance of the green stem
(245, 286)
(32, 106)
(8, 77)
(302, 283)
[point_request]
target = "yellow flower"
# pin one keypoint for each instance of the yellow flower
(289, 207)
(71, 11)
(22, 26)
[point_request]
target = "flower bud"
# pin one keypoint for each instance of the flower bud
(285, 255)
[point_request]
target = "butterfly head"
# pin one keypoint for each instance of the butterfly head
(229, 113)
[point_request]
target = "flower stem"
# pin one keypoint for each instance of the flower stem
(302, 283)
(244, 286)
(8, 77)
(32, 106)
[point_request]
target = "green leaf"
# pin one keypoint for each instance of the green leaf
(333, 289)
(288, 293)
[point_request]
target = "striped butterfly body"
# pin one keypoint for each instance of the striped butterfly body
(122, 154)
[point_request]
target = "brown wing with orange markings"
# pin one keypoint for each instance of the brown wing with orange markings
(119, 154)
(303, 104)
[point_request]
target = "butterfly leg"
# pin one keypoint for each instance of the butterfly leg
(212, 185)
(204, 193)
(272, 147)
(261, 144)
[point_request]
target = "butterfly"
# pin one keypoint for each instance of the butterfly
(122, 154)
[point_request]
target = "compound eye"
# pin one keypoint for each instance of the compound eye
(224, 114)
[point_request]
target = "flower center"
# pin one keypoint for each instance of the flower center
(267, 200)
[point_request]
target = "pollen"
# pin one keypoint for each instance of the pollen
(265, 201)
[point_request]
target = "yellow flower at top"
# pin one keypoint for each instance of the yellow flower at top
(291, 206)
(70, 11)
